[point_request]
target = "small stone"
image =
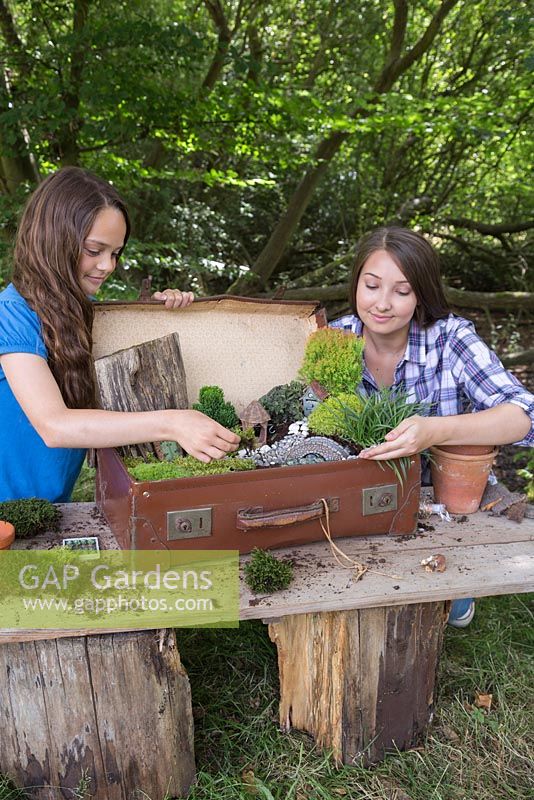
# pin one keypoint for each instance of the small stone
(265, 449)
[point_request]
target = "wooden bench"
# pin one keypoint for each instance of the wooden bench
(357, 661)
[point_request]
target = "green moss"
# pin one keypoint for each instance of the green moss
(185, 467)
(30, 516)
(334, 358)
(212, 403)
(283, 403)
(266, 573)
(327, 418)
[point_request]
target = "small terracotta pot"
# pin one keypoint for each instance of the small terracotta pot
(7, 535)
(459, 479)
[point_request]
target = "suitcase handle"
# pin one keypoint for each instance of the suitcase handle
(256, 517)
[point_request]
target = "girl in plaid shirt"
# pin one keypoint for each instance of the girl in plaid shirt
(412, 341)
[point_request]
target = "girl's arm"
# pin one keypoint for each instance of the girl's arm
(38, 394)
(502, 424)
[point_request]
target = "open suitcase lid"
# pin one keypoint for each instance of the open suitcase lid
(244, 345)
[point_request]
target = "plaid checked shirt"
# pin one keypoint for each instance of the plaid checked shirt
(449, 366)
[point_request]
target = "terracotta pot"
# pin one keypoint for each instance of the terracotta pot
(468, 449)
(460, 479)
(7, 535)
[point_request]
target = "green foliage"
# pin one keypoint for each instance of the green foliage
(527, 472)
(84, 488)
(325, 418)
(283, 402)
(212, 403)
(266, 573)
(30, 516)
(381, 413)
(334, 358)
(247, 437)
(185, 467)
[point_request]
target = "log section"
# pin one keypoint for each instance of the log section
(361, 682)
(111, 712)
(146, 377)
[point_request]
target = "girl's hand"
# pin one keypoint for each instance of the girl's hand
(174, 298)
(202, 437)
(411, 436)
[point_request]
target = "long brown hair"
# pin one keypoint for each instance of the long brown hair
(48, 247)
(419, 262)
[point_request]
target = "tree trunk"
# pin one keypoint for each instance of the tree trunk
(361, 682)
(146, 377)
(109, 712)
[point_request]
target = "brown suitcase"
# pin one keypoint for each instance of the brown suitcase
(246, 347)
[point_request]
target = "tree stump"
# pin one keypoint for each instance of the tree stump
(361, 682)
(146, 377)
(111, 712)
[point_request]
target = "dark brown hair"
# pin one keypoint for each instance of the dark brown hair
(416, 259)
(48, 247)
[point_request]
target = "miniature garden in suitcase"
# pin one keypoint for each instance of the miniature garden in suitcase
(317, 417)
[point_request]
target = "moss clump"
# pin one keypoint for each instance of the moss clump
(185, 467)
(334, 359)
(283, 403)
(327, 419)
(30, 516)
(212, 403)
(266, 573)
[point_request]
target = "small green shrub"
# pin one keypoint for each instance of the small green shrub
(30, 516)
(212, 403)
(185, 467)
(266, 573)
(334, 358)
(326, 418)
(283, 403)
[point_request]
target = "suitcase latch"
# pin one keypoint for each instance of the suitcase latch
(188, 523)
(379, 499)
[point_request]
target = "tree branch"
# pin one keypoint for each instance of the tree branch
(224, 38)
(9, 32)
(487, 229)
(392, 70)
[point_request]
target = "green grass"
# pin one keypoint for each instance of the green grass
(468, 755)
(84, 488)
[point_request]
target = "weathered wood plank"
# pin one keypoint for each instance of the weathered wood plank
(361, 682)
(485, 556)
(146, 377)
(113, 709)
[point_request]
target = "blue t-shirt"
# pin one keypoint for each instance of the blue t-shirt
(28, 468)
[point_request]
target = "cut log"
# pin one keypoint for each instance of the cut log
(361, 682)
(146, 377)
(111, 712)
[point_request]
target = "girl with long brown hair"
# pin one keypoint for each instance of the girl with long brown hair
(70, 238)
(414, 343)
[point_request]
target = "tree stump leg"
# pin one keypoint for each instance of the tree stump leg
(361, 682)
(109, 711)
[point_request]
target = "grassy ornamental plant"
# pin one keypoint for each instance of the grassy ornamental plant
(30, 516)
(212, 403)
(266, 573)
(334, 359)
